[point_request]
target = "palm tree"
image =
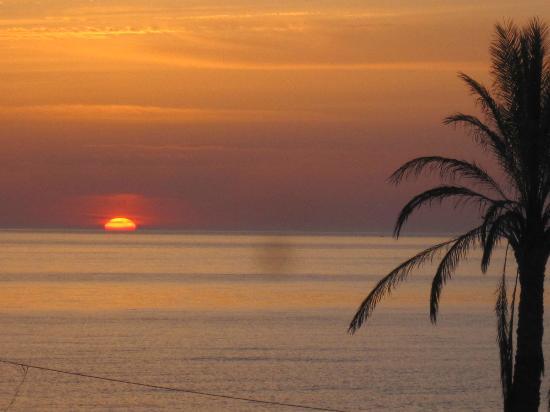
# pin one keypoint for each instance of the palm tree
(515, 131)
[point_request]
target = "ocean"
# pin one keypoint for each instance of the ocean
(260, 316)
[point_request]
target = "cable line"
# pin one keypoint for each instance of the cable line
(168, 388)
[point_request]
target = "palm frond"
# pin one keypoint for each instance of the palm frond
(545, 104)
(438, 194)
(503, 340)
(497, 208)
(448, 264)
(481, 132)
(532, 58)
(390, 281)
(512, 313)
(489, 105)
(496, 230)
(501, 219)
(546, 223)
(505, 53)
(492, 240)
(490, 140)
(448, 168)
(505, 334)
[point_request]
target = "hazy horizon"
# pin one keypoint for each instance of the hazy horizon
(274, 232)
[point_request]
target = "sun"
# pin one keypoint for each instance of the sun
(121, 224)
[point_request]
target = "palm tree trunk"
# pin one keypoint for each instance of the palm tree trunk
(529, 361)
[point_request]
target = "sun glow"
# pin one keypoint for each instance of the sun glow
(120, 224)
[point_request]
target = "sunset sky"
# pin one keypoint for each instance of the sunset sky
(258, 115)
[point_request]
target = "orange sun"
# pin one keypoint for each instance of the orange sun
(120, 224)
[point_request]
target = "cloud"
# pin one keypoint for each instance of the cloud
(44, 32)
(239, 38)
(148, 114)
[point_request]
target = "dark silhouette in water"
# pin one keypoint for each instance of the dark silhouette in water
(516, 132)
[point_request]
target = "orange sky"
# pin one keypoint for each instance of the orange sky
(258, 115)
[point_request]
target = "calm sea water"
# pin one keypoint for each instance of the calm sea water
(245, 315)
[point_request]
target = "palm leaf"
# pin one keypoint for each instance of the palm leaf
(506, 68)
(447, 168)
(503, 340)
(390, 281)
(505, 334)
(490, 107)
(482, 133)
(500, 227)
(438, 194)
(448, 265)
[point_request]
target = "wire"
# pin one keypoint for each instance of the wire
(168, 388)
(14, 397)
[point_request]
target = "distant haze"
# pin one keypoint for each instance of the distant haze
(261, 115)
